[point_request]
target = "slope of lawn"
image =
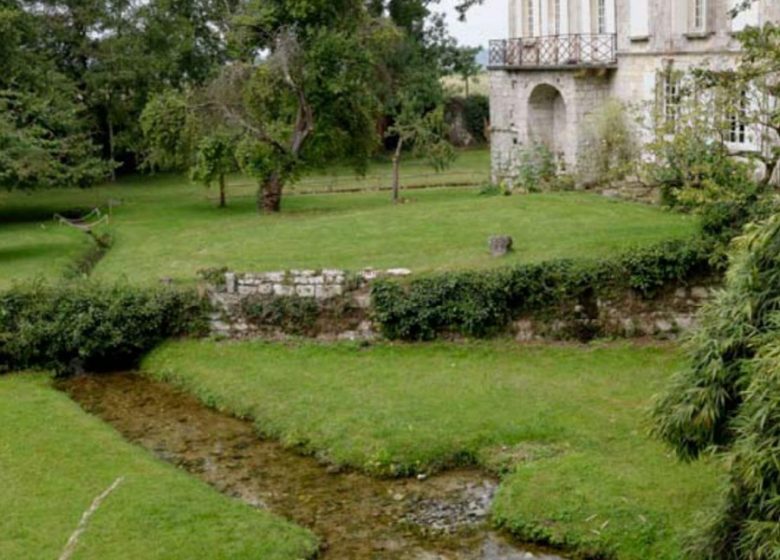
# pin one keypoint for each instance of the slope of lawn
(565, 424)
(55, 459)
(166, 227)
(40, 249)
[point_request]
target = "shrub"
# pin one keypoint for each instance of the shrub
(610, 148)
(291, 314)
(536, 169)
(91, 327)
(728, 401)
(476, 113)
(479, 304)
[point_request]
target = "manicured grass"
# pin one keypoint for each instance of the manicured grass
(584, 472)
(42, 249)
(166, 228)
(55, 459)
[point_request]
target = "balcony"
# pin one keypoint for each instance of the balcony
(554, 52)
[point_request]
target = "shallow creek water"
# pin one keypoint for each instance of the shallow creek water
(443, 517)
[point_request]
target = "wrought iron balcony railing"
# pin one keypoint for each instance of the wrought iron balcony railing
(554, 51)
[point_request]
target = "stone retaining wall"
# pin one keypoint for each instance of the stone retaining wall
(338, 304)
(329, 288)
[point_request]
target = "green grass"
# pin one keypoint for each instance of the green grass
(55, 459)
(585, 474)
(166, 227)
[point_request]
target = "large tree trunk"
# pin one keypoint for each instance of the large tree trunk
(269, 195)
(222, 197)
(397, 171)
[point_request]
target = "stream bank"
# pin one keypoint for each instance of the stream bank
(355, 516)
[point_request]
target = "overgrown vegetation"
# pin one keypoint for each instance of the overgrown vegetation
(479, 304)
(727, 401)
(611, 149)
(90, 327)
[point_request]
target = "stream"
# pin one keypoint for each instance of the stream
(442, 517)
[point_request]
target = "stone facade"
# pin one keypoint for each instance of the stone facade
(547, 79)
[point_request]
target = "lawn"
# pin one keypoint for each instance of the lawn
(55, 459)
(564, 424)
(166, 227)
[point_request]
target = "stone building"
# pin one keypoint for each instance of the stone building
(565, 58)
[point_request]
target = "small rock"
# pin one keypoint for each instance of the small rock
(500, 245)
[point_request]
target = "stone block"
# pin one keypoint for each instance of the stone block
(363, 301)
(327, 291)
(306, 291)
(275, 276)
(283, 290)
(700, 293)
(398, 272)
(500, 245)
(265, 289)
(230, 282)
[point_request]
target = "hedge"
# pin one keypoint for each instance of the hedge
(89, 327)
(480, 304)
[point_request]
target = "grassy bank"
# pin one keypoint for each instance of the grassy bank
(165, 228)
(55, 459)
(563, 424)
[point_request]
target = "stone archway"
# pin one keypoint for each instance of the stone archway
(547, 123)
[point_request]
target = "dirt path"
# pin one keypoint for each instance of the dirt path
(356, 516)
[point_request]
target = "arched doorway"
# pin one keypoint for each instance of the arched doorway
(547, 119)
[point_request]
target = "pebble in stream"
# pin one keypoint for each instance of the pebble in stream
(356, 517)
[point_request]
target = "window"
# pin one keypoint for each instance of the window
(602, 16)
(699, 12)
(530, 17)
(640, 19)
(671, 101)
(557, 9)
(737, 133)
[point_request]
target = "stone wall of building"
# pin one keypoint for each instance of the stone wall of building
(519, 116)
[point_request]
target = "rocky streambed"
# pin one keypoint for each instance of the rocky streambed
(355, 516)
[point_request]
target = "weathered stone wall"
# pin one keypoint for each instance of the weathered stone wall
(517, 121)
(342, 304)
(624, 315)
(346, 295)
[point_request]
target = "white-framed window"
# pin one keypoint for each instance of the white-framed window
(601, 16)
(698, 14)
(672, 96)
(530, 16)
(737, 133)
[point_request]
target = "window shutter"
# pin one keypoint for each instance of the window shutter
(639, 18)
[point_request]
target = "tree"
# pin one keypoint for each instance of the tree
(44, 135)
(462, 61)
(118, 53)
(425, 132)
(303, 94)
(214, 159)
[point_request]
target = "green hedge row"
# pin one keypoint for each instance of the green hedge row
(479, 304)
(91, 327)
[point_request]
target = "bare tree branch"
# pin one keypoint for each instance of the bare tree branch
(73, 541)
